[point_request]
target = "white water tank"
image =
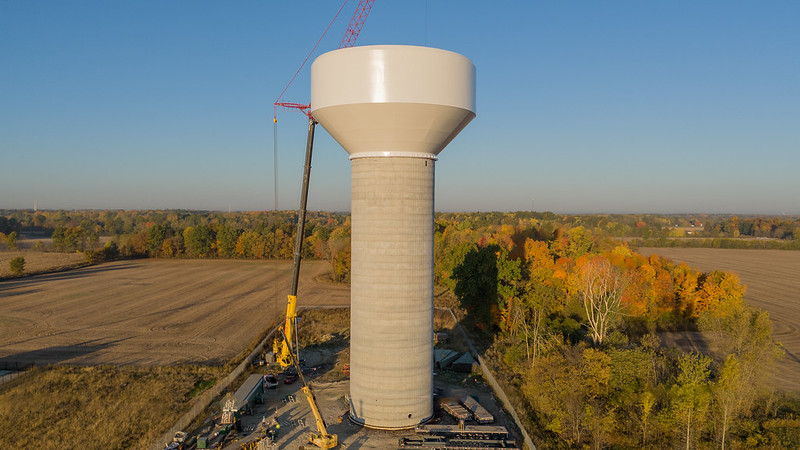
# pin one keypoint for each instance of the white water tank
(393, 108)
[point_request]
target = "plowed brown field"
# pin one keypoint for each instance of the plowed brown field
(773, 283)
(152, 312)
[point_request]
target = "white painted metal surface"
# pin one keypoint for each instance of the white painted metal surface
(393, 108)
(393, 97)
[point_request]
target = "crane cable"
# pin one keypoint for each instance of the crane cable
(275, 105)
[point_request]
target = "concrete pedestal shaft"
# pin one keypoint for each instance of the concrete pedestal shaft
(391, 356)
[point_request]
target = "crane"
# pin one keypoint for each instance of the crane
(349, 40)
(356, 23)
(282, 347)
(322, 438)
(285, 353)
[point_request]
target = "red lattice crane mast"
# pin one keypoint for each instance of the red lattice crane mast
(356, 23)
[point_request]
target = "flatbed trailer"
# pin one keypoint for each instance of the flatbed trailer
(480, 413)
(446, 443)
(455, 409)
(468, 431)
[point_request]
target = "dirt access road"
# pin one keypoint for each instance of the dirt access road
(773, 283)
(152, 312)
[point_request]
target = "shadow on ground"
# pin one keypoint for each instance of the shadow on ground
(59, 353)
(66, 274)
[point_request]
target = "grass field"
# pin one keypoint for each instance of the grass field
(773, 283)
(152, 312)
(97, 407)
(40, 262)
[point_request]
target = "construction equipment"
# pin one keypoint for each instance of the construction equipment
(263, 443)
(178, 441)
(321, 439)
(356, 23)
(454, 437)
(282, 349)
(285, 351)
(453, 408)
(480, 413)
(284, 354)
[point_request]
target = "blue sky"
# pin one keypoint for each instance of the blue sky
(583, 106)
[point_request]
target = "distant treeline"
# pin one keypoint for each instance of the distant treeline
(270, 235)
(188, 234)
(775, 227)
(646, 226)
(747, 244)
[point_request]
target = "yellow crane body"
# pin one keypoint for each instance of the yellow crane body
(282, 346)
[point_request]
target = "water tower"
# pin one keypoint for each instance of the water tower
(393, 108)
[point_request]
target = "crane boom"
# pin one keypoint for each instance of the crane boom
(283, 347)
(323, 439)
(356, 23)
(285, 353)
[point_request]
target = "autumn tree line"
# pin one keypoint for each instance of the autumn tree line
(105, 235)
(143, 233)
(779, 233)
(573, 324)
(571, 318)
(764, 227)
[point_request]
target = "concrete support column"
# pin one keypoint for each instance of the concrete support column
(391, 352)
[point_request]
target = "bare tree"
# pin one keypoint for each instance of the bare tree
(600, 286)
